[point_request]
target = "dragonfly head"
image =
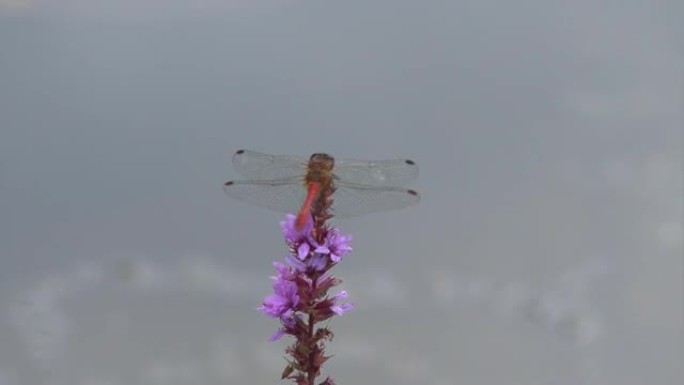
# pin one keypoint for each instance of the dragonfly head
(322, 160)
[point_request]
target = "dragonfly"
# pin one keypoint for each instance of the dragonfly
(292, 184)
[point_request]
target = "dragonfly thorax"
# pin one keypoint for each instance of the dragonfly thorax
(319, 169)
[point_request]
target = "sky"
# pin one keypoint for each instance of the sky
(546, 249)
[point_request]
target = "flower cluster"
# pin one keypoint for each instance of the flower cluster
(300, 295)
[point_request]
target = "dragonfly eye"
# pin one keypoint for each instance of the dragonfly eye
(323, 158)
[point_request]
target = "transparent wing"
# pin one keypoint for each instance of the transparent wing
(257, 166)
(395, 172)
(351, 199)
(285, 194)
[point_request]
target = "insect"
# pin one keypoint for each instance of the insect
(293, 184)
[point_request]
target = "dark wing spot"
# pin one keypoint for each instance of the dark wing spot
(239, 152)
(412, 192)
(229, 183)
(409, 161)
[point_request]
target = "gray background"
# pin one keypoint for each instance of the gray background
(547, 248)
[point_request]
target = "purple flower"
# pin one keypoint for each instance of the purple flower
(290, 232)
(336, 245)
(283, 301)
(331, 306)
(300, 294)
(309, 255)
(318, 262)
(289, 322)
(295, 263)
(277, 335)
(284, 272)
(303, 250)
(341, 308)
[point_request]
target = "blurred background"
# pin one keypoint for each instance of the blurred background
(547, 248)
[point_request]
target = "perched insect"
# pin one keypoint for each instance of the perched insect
(293, 184)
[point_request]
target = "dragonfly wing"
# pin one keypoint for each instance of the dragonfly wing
(394, 172)
(257, 166)
(351, 199)
(285, 195)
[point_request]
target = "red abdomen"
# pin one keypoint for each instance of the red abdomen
(305, 212)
